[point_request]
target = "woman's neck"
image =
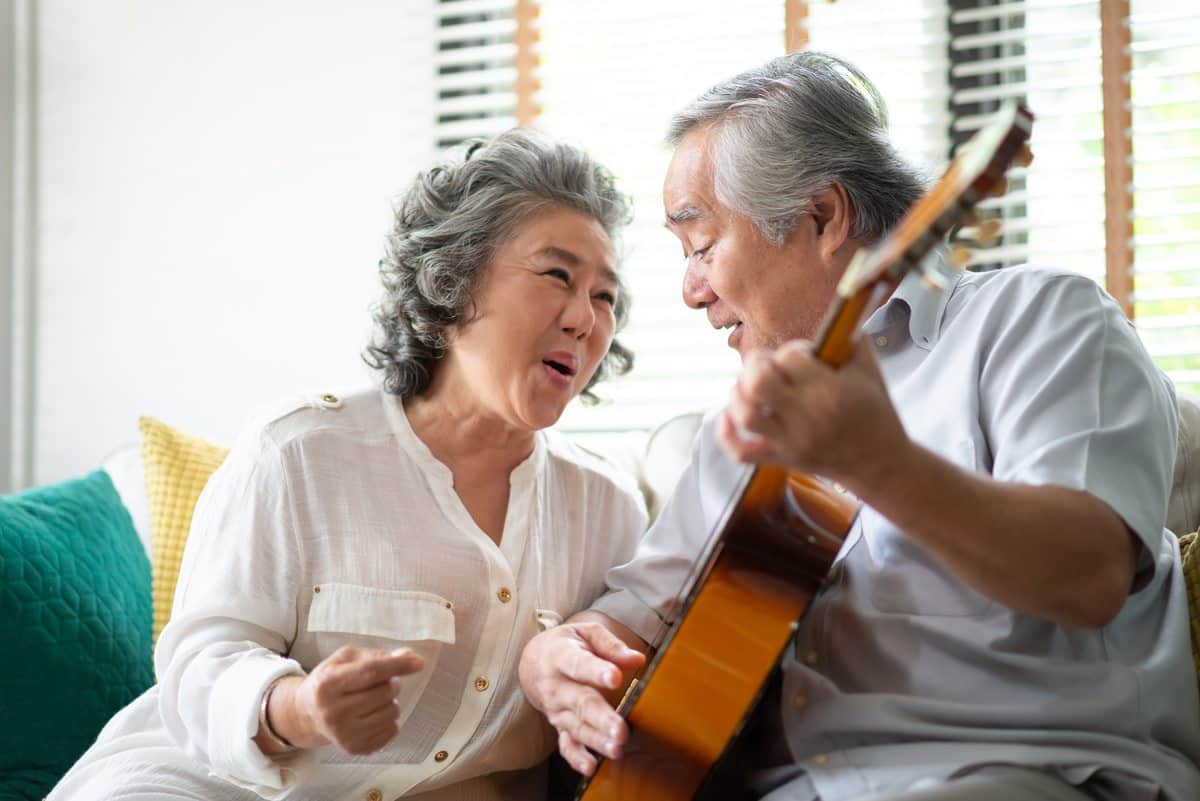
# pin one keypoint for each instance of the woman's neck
(464, 437)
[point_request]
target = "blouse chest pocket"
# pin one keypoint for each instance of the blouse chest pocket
(368, 617)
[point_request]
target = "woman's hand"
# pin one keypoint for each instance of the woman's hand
(349, 699)
(566, 672)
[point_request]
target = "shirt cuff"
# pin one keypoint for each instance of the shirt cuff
(627, 609)
(235, 703)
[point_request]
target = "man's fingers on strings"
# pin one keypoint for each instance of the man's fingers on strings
(575, 754)
(586, 668)
(609, 646)
(752, 450)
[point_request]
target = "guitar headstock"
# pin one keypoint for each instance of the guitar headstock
(977, 172)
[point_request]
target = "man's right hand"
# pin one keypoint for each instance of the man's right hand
(572, 673)
(349, 699)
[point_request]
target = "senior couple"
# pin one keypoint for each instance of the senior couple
(388, 596)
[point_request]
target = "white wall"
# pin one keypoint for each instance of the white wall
(8, 116)
(213, 187)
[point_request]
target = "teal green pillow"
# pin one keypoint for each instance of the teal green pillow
(75, 623)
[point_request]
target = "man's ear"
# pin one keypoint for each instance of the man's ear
(834, 217)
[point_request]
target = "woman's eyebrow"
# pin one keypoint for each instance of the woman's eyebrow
(573, 260)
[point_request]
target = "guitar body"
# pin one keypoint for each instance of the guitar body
(777, 545)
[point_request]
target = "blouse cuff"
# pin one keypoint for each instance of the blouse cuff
(235, 703)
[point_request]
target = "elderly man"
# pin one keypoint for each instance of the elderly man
(1007, 619)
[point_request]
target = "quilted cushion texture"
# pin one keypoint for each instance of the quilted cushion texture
(177, 467)
(75, 623)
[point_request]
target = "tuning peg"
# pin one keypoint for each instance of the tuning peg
(999, 189)
(960, 256)
(1024, 156)
(987, 232)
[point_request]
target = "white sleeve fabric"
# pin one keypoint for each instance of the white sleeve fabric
(1070, 397)
(234, 614)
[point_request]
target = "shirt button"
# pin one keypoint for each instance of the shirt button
(881, 341)
(374, 794)
(504, 594)
(481, 683)
(821, 760)
(441, 756)
(812, 657)
(800, 700)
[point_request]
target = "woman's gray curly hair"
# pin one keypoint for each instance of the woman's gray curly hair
(447, 227)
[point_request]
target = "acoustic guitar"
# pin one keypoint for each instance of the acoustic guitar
(781, 531)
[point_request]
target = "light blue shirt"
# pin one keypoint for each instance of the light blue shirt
(901, 674)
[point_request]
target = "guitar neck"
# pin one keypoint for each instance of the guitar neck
(834, 343)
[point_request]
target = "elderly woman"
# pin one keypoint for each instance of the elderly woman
(363, 571)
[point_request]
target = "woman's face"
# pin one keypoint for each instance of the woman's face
(544, 318)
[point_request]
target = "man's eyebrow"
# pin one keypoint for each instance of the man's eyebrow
(572, 260)
(685, 214)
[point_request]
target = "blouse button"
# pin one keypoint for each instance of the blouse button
(374, 794)
(505, 595)
(440, 756)
(481, 683)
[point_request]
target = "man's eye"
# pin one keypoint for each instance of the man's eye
(698, 253)
(607, 297)
(559, 273)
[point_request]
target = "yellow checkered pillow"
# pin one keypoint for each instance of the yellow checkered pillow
(177, 467)
(1190, 548)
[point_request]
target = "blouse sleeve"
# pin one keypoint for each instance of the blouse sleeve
(234, 615)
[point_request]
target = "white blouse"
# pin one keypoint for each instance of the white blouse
(332, 524)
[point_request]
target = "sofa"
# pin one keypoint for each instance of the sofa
(87, 572)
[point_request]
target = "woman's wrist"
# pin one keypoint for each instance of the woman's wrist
(265, 729)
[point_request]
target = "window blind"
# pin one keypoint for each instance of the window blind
(612, 72)
(1165, 84)
(902, 48)
(476, 71)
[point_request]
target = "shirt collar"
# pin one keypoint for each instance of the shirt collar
(925, 307)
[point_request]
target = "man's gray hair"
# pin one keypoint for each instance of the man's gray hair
(450, 223)
(791, 128)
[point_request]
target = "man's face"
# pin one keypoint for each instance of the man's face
(765, 295)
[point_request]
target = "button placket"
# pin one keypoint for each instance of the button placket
(492, 651)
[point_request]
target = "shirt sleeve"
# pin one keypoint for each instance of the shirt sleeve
(644, 593)
(1070, 397)
(233, 617)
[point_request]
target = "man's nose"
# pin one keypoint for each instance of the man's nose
(696, 292)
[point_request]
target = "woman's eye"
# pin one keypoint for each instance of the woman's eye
(699, 253)
(559, 273)
(607, 297)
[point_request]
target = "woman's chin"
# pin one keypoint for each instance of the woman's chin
(544, 415)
